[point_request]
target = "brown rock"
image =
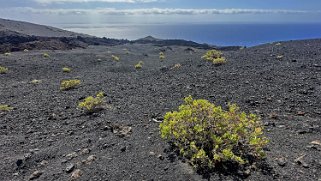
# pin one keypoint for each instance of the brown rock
(35, 175)
(76, 174)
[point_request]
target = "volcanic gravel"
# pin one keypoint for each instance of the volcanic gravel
(46, 137)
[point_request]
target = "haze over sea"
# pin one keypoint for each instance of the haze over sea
(216, 34)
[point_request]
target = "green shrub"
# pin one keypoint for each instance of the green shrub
(66, 70)
(46, 55)
(162, 56)
(115, 58)
(139, 65)
(214, 56)
(4, 107)
(93, 104)
(3, 70)
(69, 84)
(208, 136)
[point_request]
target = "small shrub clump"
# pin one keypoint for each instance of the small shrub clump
(4, 107)
(35, 81)
(66, 69)
(92, 104)
(209, 136)
(115, 58)
(69, 84)
(214, 56)
(3, 70)
(46, 55)
(139, 65)
(162, 56)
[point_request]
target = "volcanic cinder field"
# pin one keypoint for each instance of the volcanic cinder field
(47, 137)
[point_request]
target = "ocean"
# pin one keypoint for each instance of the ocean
(216, 34)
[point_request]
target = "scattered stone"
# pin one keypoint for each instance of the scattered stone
(316, 142)
(152, 153)
(161, 157)
(35, 175)
(164, 69)
(122, 131)
(71, 155)
(123, 149)
(19, 162)
(70, 167)
(300, 161)
(282, 161)
(85, 151)
(15, 174)
(91, 159)
(44, 162)
(76, 174)
(64, 161)
(300, 113)
(247, 172)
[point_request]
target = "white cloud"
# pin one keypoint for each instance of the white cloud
(85, 1)
(159, 11)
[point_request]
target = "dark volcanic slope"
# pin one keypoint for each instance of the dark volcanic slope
(46, 132)
(30, 29)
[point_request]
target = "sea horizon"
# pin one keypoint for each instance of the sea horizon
(221, 34)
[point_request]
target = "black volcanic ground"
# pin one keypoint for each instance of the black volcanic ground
(47, 136)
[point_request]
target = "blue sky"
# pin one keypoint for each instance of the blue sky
(53, 12)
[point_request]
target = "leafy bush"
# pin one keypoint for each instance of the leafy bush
(115, 58)
(214, 56)
(92, 104)
(139, 65)
(66, 70)
(162, 56)
(69, 84)
(4, 107)
(3, 70)
(46, 55)
(208, 136)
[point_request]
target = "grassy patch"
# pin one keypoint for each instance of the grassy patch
(69, 84)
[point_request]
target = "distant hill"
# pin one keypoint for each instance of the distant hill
(18, 36)
(10, 27)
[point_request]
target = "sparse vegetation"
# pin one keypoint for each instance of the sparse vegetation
(7, 54)
(35, 81)
(139, 65)
(3, 70)
(46, 55)
(69, 84)
(4, 107)
(214, 56)
(208, 136)
(115, 58)
(66, 69)
(92, 104)
(162, 56)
